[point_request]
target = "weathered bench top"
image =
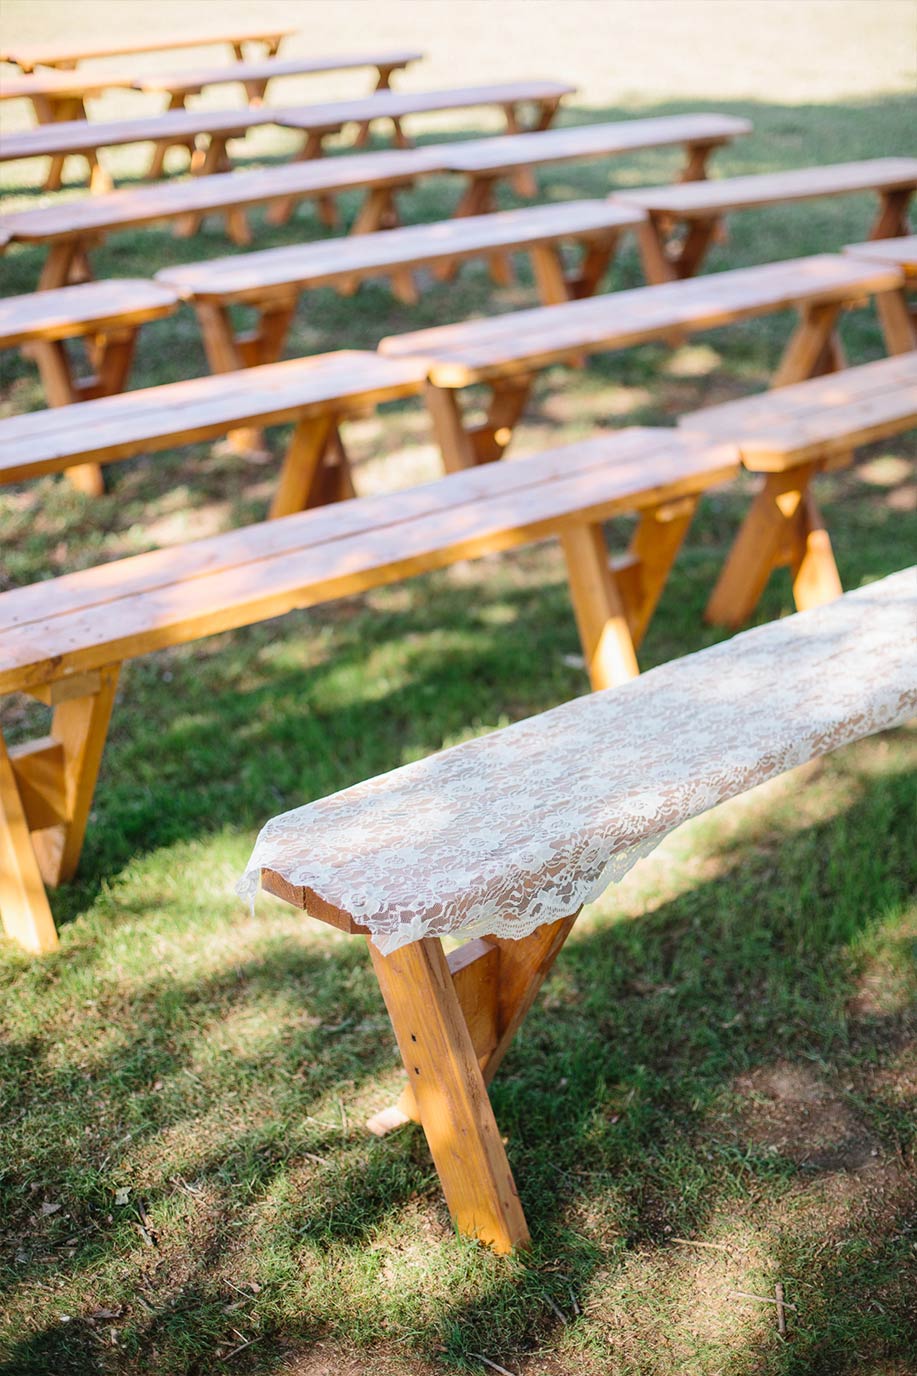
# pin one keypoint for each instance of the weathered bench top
(54, 83)
(720, 195)
(167, 200)
(79, 136)
(900, 253)
(70, 311)
(115, 611)
(197, 409)
(242, 276)
(510, 151)
(82, 135)
(817, 419)
(519, 828)
(192, 79)
(522, 341)
(29, 55)
(397, 104)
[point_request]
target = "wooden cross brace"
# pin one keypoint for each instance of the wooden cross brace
(454, 1017)
(46, 788)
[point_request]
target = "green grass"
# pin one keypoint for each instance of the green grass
(716, 1091)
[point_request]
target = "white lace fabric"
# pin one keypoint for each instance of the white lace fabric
(515, 829)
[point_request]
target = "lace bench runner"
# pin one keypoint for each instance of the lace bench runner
(501, 834)
(508, 836)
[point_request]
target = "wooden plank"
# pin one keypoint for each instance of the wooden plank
(88, 308)
(189, 80)
(106, 615)
(899, 252)
(200, 408)
(816, 419)
(524, 341)
(509, 152)
(714, 197)
(332, 115)
(251, 276)
(58, 84)
(89, 216)
(448, 1085)
(29, 55)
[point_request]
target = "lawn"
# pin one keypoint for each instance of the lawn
(717, 1090)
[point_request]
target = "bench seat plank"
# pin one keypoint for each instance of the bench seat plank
(190, 80)
(508, 152)
(721, 195)
(522, 342)
(167, 597)
(84, 136)
(900, 253)
(71, 312)
(110, 428)
(250, 276)
(605, 777)
(64, 54)
(56, 84)
(817, 419)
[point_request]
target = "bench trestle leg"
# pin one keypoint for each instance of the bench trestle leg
(783, 527)
(315, 469)
(46, 789)
(601, 614)
(24, 908)
(479, 996)
(811, 349)
(899, 323)
(891, 221)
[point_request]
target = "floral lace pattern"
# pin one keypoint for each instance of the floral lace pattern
(503, 833)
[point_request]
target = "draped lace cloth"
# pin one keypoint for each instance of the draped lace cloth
(521, 827)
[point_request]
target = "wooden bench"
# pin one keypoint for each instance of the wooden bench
(270, 281)
(789, 437)
(105, 314)
(446, 850)
(70, 230)
(314, 392)
(64, 641)
(700, 207)
(486, 162)
(899, 253)
(506, 352)
(28, 56)
(208, 132)
(255, 75)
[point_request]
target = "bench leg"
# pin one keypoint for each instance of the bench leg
(62, 389)
(555, 286)
(811, 347)
(490, 440)
(451, 1096)
(899, 324)
(524, 183)
(891, 221)
(783, 527)
(24, 909)
(315, 469)
(79, 725)
(228, 352)
(379, 211)
(644, 570)
(449, 428)
(478, 198)
(601, 616)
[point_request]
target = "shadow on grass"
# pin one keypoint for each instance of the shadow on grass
(612, 1101)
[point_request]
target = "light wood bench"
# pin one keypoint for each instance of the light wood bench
(899, 253)
(208, 132)
(315, 392)
(486, 162)
(789, 436)
(270, 281)
(447, 850)
(701, 207)
(107, 315)
(70, 230)
(255, 75)
(507, 352)
(28, 56)
(64, 641)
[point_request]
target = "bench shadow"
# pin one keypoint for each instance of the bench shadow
(612, 1101)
